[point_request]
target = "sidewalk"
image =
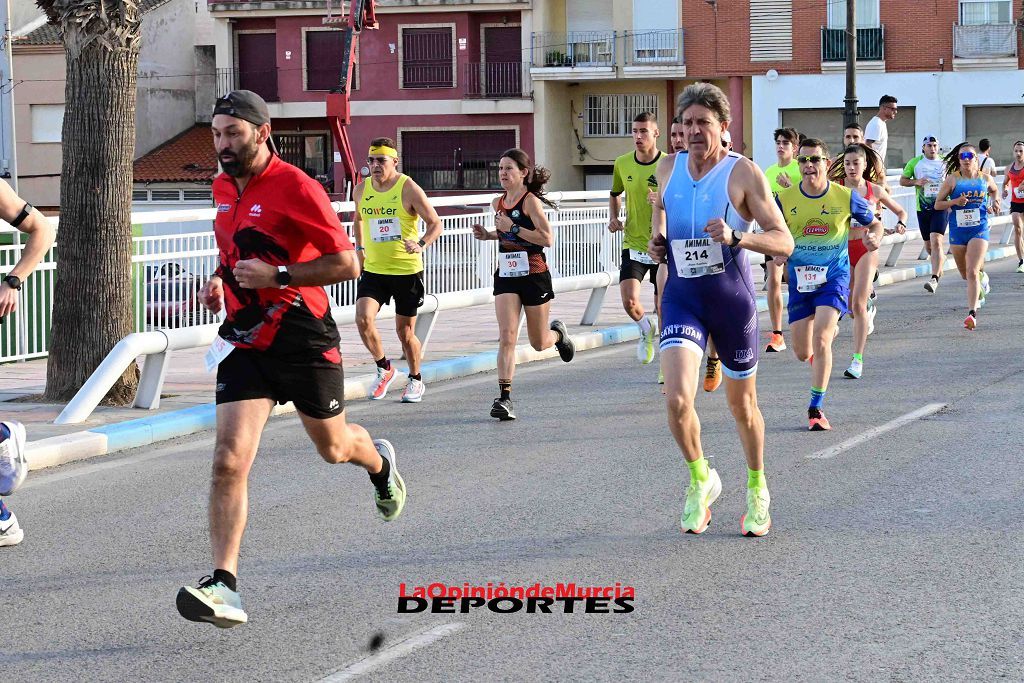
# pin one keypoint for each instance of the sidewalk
(468, 334)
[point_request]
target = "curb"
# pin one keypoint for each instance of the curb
(120, 436)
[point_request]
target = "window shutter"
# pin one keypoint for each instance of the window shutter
(771, 30)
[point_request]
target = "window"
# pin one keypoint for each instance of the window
(612, 115)
(140, 196)
(455, 159)
(198, 196)
(771, 30)
(166, 195)
(326, 59)
(1000, 124)
(867, 14)
(47, 120)
(428, 57)
(827, 125)
(310, 153)
(974, 12)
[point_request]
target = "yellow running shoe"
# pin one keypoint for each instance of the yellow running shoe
(699, 497)
(757, 521)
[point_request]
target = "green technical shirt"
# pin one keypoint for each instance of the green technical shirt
(635, 179)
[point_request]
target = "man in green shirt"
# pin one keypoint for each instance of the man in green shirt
(782, 174)
(635, 175)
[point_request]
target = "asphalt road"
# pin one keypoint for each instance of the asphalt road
(896, 559)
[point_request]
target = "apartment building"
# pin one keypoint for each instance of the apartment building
(445, 79)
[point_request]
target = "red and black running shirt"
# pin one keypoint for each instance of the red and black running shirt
(508, 242)
(282, 217)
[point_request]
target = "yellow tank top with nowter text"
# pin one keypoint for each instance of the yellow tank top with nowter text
(385, 227)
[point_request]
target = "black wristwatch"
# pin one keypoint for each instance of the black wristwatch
(735, 241)
(283, 277)
(13, 281)
(422, 243)
(901, 223)
(514, 230)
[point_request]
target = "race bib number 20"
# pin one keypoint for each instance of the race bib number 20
(385, 230)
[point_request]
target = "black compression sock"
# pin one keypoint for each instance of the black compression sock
(973, 312)
(416, 377)
(226, 577)
(383, 363)
(776, 331)
(505, 387)
(385, 471)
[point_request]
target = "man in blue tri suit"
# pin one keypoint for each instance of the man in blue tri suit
(710, 198)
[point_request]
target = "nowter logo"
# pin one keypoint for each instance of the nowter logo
(562, 598)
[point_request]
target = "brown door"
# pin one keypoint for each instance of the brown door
(503, 59)
(257, 64)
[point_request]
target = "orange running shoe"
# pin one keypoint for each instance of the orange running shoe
(818, 421)
(713, 374)
(776, 344)
(970, 322)
(379, 388)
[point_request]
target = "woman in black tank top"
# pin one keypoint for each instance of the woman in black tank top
(522, 279)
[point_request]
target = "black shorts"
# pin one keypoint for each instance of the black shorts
(636, 270)
(932, 222)
(316, 387)
(533, 289)
(1016, 207)
(407, 291)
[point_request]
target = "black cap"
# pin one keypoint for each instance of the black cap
(245, 105)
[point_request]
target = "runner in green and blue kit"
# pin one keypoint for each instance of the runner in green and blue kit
(925, 174)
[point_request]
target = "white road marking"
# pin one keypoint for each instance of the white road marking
(393, 652)
(832, 452)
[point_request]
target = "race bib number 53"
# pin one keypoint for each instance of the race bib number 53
(695, 258)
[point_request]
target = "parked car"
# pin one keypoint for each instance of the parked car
(174, 302)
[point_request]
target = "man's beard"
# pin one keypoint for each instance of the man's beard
(241, 163)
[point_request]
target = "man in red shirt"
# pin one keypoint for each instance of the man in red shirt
(280, 242)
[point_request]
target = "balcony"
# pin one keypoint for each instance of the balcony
(654, 54)
(575, 55)
(870, 44)
(984, 46)
(495, 80)
(261, 82)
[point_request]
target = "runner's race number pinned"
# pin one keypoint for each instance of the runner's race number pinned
(385, 230)
(968, 218)
(218, 351)
(513, 264)
(931, 189)
(694, 258)
(641, 257)
(810, 278)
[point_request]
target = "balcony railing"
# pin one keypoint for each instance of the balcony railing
(654, 48)
(870, 44)
(262, 82)
(985, 40)
(496, 80)
(576, 48)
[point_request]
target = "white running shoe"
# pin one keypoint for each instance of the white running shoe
(414, 391)
(855, 370)
(986, 285)
(872, 310)
(13, 465)
(645, 346)
(1020, 267)
(931, 285)
(10, 532)
(213, 602)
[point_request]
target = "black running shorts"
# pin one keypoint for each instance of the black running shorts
(533, 289)
(317, 387)
(1016, 207)
(637, 270)
(407, 290)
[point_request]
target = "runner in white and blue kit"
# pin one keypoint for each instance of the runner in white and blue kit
(966, 191)
(710, 196)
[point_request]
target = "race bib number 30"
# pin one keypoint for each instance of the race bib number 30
(513, 264)
(695, 258)
(810, 278)
(385, 230)
(968, 218)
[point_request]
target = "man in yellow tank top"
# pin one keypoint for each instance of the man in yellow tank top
(390, 251)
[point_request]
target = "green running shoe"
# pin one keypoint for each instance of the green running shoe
(645, 346)
(757, 521)
(699, 497)
(213, 602)
(389, 498)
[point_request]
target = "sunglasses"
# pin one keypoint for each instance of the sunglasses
(966, 155)
(801, 159)
(376, 160)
